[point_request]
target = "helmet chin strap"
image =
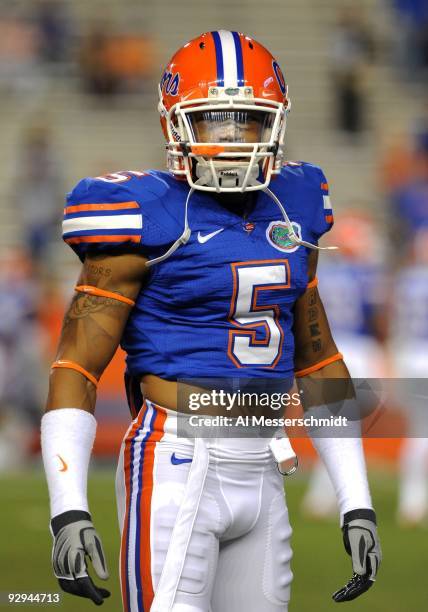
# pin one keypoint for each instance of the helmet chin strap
(185, 236)
(210, 175)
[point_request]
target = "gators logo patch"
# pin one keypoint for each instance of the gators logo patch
(278, 236)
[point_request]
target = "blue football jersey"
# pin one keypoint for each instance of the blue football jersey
(222, 304)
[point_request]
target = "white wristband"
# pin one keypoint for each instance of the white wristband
(67, 438)
(341, 451)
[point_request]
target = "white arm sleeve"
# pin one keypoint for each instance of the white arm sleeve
(67, 438)
(341, 450)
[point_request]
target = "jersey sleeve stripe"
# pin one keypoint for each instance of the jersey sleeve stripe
(112, 238)
(120, 222)
(101, 213)
(327, 202)
(324, 186)
(99, 207)
(329, 218)
(105, 232)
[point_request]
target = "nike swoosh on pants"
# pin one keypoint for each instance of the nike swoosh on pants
(177, 460)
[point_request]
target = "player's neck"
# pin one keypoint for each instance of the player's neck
(241, 204)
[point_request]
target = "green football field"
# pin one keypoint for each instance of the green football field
(320, 564)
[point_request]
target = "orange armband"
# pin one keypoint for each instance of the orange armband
(72, 365)
(103, 293)
(319, 365)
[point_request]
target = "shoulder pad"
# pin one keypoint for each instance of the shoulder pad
(314, 186)
(111, 211)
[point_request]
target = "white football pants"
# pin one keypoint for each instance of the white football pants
(204, 523)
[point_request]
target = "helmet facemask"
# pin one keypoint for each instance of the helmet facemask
(230, 142)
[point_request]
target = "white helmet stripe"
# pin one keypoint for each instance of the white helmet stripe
(230, 62)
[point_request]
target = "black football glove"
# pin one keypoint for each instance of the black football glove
(362, 544)
(74, 539)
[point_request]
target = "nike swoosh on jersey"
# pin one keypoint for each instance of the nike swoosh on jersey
(64, 467)
(203, 239)
(178, 461)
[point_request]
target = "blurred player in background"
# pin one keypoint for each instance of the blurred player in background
(21, 341)
(409, 349)
(208, 270)
(353, 289)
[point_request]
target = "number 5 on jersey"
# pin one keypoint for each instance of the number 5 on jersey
(249, 279)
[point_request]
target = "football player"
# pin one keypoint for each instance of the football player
(409, 348)
(206, 270)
